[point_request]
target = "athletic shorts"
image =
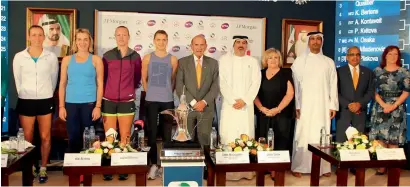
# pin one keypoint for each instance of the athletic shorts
(35, 107)
(111, 108)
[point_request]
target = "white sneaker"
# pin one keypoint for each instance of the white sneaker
(153, 172)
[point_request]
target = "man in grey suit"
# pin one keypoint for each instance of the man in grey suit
(200, 76)
(356, 89)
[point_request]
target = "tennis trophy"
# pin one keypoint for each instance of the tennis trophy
(181, 148)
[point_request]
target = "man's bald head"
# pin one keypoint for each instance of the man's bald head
(353, 47)
(198, 45)
(198, 37)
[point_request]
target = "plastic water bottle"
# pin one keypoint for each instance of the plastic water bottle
(86, 138)
(141, 138)
(21, 141)
(271, 138)
(214, 139)
(322, 136)
(92, 136)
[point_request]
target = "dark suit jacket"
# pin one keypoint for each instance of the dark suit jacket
(186, 75)
(347, 94)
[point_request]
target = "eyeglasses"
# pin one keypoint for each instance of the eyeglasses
(354, 54)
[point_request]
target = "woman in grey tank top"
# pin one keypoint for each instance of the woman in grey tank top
(158, 79)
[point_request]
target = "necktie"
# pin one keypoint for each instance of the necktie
(355, 78)
(198, 72)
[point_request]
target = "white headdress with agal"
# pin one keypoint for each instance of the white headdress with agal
(45, 21)
(238, 37)
(310, 34)
(300, 67)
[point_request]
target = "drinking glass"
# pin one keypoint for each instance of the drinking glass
(13, 142)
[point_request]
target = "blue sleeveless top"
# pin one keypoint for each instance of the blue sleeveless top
(81, 81)
(159, 86)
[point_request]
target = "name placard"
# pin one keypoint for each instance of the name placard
(4, 158)
(273, 156)
(81, 159)
(390, 154)
(232, 157)
(129, 159)
(354, 155)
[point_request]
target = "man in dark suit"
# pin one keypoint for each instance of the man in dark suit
(200, 76)
(356, 89)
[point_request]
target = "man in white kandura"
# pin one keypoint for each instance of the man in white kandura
(240, 77)
(316, 99)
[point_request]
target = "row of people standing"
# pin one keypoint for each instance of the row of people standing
(91, 86)
(321, 90)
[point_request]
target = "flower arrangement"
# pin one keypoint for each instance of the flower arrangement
(359, 141)
(109, 146)
(244, 143)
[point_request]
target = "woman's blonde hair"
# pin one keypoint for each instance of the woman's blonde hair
(269, 53)
(86, 31)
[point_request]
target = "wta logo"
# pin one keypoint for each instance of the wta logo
(188, 24)
(212, 49)
(138, 47)
(175, 49)
(151, 23)
(224, 26)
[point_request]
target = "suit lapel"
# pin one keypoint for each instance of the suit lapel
(361, 77)
(204, 70)
(349, 77)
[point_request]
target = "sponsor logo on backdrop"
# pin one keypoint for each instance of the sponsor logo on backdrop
(176, 36)
(224, 26)
(175, 49)
(176, 24)
(164, 23)
(150, 46)
(201, 25)
(212, 37)
(115, 21)
(111, 37)
(242, 26)
(224, 38)
(212, 50)
(138, 47)
(188, 37)
(212, 25)
(250, 40)
(188, 47)
(138, 22)
(151, 23)
(188, 24)
(138, 35)
(151, 36)
(224, 48)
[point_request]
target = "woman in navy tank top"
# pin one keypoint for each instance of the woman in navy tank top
(81, 89)
(158, 79)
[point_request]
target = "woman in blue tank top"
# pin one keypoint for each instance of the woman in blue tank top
(158, 79)
(81, 89)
